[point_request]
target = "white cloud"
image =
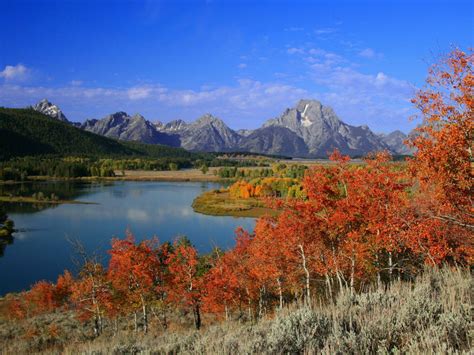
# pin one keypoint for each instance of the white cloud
(358, 97)
(137, 93)
(325, 31)
(369, 53)
(76, 82)
(295, 50)
(346, 77)
(14, 72)
(318, 56)
(377, 99)
(137, 215)
(245, 104)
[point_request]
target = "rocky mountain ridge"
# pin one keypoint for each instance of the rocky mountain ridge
(49, 109)
(309, 129)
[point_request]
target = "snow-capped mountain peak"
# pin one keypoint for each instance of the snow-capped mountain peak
(49, 109)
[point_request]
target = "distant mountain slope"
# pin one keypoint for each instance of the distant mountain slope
(172, 126)
(323, 131)
(28, 132)
(307, 130)
(395, 141)
(130, 128)
(274, 140)
(207, 134)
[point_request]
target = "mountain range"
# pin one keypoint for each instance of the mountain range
(308, 130)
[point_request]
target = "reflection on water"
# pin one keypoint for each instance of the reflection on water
(4, 241)
(148, 209)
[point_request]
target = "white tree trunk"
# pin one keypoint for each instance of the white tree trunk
(280, 293)
(306, 271)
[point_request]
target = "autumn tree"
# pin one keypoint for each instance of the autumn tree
(345, 228)
(40, 298)
(442, 163)
(270, 264)
(230, 284)
(186, 281)
(14, 307)
(132, 272)
(91, 294)
(63, 288)
(220, 286)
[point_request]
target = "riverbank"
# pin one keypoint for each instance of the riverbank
(184, 175)
(25, 199)
(220, 203)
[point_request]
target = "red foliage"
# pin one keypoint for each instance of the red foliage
(442, 165)
(185, 283)
(41, 298)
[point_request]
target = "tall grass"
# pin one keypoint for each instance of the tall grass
(433, 314)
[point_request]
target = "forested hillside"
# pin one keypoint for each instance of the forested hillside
(27, 132)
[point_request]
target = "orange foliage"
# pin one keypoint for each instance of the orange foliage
(15, 307)
(242, 189)
(265, 187)
(133, 269)
(442, 165)
(40, 298)
(185, 286)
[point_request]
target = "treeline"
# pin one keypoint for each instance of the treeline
(18, 169)
(278, 181)
(268, 187)
(281, 170)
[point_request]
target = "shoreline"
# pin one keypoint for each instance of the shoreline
(185, 175)
(24, 199)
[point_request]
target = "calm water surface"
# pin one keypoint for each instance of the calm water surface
(40, 249)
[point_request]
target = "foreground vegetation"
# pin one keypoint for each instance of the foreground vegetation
(431, 314)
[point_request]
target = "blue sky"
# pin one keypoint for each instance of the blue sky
(244, 61)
